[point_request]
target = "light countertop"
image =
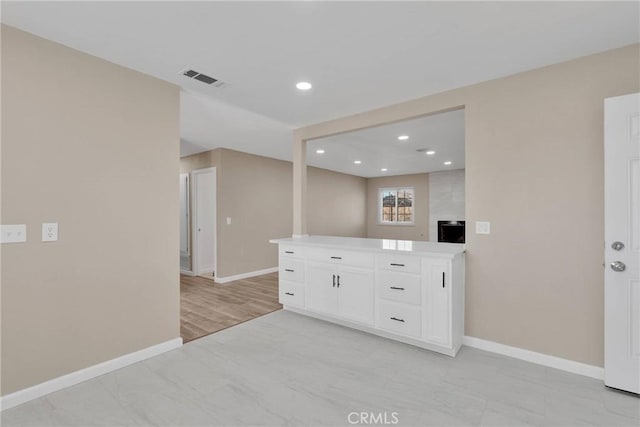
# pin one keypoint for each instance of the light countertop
(376, 245)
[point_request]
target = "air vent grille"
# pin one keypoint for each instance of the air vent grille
(193, 74)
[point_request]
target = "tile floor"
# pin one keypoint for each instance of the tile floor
(287, 369)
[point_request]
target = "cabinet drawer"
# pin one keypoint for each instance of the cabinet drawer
(291, 269)
(290, 251)
(400, 319)
(291, 294)
(341, 257)
(404, 263)
(399, 287)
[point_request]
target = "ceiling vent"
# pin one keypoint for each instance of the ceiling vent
(193, 74)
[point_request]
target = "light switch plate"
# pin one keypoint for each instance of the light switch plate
(14, 233)
(228, 220)
(49, 231)
(483, 227)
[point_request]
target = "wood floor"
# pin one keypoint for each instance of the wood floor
(207, 307)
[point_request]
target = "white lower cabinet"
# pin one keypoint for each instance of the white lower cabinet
(291, 293)
(400, 318)
(415, 298)
(342, 291)
(321, 295)
(437, 303)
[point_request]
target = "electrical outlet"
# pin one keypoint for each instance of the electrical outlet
(14, 233)
(49, 231)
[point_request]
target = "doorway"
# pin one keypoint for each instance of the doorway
(204, 221)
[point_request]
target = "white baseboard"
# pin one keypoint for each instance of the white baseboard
(245, 275)
(187, 272)
(533, 357)
(39, 390)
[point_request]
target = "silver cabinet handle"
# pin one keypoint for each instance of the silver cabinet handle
(288, 293)
(396, 288)
(289, 270)
(618, 266)
(397, 320)
(334, 280)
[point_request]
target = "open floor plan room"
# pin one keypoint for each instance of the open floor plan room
(320, 213)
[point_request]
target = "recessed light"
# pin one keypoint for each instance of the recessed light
(447, 163)
(303, 85)
(430, 153)
(403, 137)
(383, 169)
(320, 151)
(357, 162)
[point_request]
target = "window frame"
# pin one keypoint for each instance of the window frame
(381, 191)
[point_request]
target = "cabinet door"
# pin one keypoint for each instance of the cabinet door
(355, 295)
(437, 314)
(321, 295)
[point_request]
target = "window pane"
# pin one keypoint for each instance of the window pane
(388, 198)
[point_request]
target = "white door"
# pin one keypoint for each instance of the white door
(437, 327)
(184, 214)
(355, 295)
(205, 220)
(321, 294)
(622, 242)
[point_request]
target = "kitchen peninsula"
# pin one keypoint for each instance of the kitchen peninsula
(409, 291)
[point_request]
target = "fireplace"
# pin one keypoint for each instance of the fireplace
(451, 231)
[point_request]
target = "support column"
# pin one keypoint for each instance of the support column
(299, 186)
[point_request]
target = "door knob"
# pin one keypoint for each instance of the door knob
(618, 266)
(617, 246)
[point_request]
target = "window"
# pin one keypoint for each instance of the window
(395, 205)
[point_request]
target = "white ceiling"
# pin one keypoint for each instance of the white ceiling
(358, 55)
(379, 147)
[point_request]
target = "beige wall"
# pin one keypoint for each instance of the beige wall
(419, 231)
(94, 147)
(255, 192)
(534, 168)
(337, 203)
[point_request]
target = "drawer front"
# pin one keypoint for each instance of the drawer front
(399, 318)
(291, 294)
(291, 270)
(341, 257)
(290, 251)
(399, 287)
(402, 263)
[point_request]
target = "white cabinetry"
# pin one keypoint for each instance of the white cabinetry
(340, 290)
(415, 297)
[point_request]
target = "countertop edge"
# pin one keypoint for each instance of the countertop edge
(301, 242)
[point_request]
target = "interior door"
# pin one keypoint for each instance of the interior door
(321, 294)
(205, 219)
(622, 243)
(355, 295)
(185, 239)
(437, 328)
